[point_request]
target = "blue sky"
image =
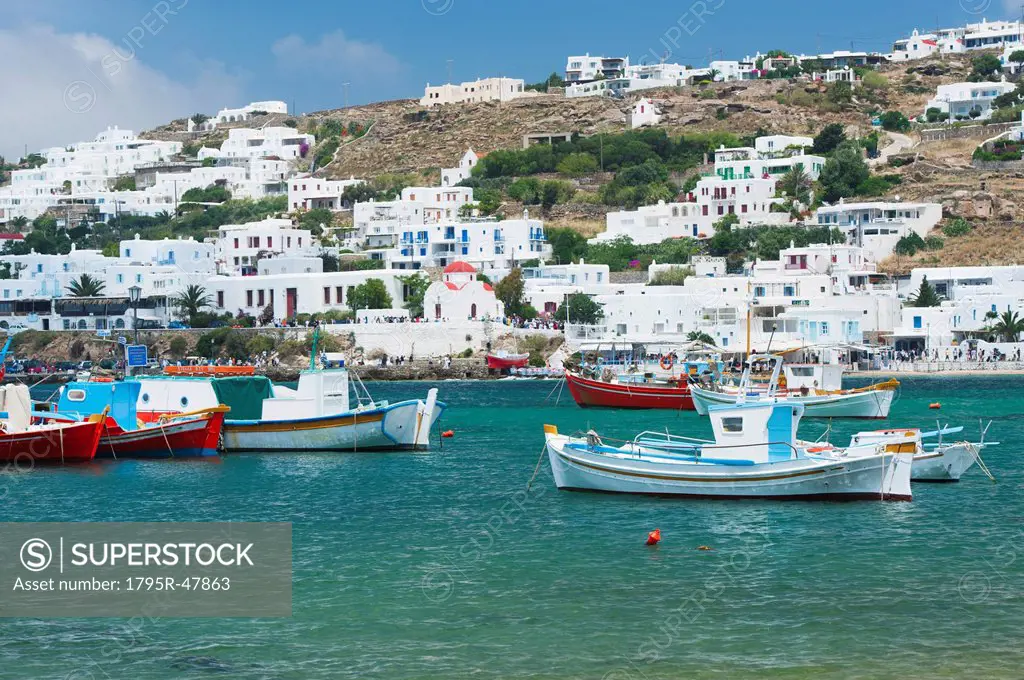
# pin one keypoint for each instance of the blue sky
(85, 64)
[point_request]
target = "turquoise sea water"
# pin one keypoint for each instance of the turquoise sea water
(439, 565)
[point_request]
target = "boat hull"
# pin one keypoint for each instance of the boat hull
(402, 426)
(58, 444)
(946, 463)
(502, 363)
(184, 438)
(595, 393)
(876, 477)
(873, 404)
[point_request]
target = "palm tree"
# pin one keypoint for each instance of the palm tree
(19, 223)
(192, 300)
(86, 286)
(796, 184)
(1009, 327)
(701, 337)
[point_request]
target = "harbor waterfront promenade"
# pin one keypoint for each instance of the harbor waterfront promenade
(444, 565)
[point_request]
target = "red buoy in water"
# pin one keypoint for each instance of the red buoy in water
(653, 537)
(448, 434)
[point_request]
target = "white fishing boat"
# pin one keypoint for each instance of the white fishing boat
(315, 416)
(754, 454)
(817, 387)
(938, 462)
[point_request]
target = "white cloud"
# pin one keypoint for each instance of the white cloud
(335, 55)
(60, 88)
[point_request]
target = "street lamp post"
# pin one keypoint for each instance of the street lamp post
(134, 295)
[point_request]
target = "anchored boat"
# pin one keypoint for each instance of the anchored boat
(815, 386)
(754, 454)
(502, 360)
(27, 437)
(939, 462)
(316, 416)
(183, 435)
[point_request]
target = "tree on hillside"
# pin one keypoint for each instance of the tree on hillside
(581, 310)
(1009, 327)
(926, 296)
(1017, 57)
(894, 121)
(830, 137)
(200, 118)
(191, 301)
(19, 223)
(985, 67)
(843, 172)
(510, 291)
(567, 245)
(86, 286)
(371, 294)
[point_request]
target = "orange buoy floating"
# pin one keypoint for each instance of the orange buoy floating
(705, 548)
(448, 434)
(653, 537)
(935, 405)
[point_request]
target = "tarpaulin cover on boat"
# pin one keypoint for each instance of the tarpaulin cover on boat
(244, 395)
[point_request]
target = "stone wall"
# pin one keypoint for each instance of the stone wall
(998, 166)
(966, 131)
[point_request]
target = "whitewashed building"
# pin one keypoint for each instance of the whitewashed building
(645, 113)
(876, 226)
(378, 224)
(282, 143)
(967, 101)
(309, 193)
(480, 90)
(452, 176)
(246, 112)
(459, 295)
(241, 246)
(586, 68)
(486, 244)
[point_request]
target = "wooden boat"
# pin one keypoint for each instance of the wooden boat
(316, 416)
(636, 387)
(506, 360)
(817, 387)
(939, 462)
(186, 435)
(632, 392)
(25, 439)
(754, 454)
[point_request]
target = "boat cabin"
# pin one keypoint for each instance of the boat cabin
(820, 377)
(84, 399)
(757, 431)
(318, 393)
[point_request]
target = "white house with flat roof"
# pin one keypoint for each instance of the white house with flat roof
(240, 246)
(472, 91)
(452, 176)
(283, 143)
(246, 112)
(310, 193)
(967, 101)
(586, 68)
(876, 226)
(645, 113)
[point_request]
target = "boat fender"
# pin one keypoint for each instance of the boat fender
(448, 434)
(654, 537)
(935, 405)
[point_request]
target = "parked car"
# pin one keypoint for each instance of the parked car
(178, 325)
(85, 366)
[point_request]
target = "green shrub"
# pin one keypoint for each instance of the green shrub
(958, 227)
(933, 243)
(675, 276)
(178, 346)
(260, 343)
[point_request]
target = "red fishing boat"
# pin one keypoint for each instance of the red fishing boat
(503, 360)
(185, 435)
(24, 441)
(632, 391)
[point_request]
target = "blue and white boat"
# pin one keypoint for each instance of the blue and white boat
(317, 415)
(755, 454)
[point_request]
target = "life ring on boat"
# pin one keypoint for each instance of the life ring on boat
(820, 448)
(666, 362)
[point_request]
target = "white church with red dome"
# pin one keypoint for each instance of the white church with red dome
(459, 295)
